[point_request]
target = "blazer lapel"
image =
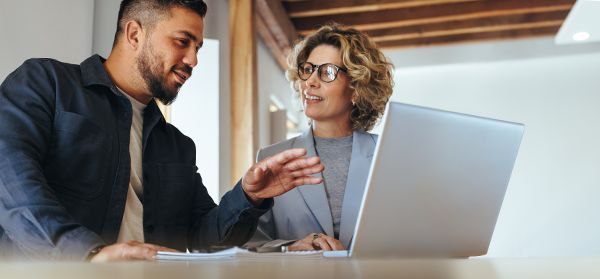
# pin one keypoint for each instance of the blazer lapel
(363, 147)
(314, 195)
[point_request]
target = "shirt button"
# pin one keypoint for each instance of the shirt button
(150, 229)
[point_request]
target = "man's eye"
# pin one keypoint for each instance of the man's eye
(183, 42)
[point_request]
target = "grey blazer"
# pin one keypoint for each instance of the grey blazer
(305, 209)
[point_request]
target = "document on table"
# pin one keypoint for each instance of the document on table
(236, 253)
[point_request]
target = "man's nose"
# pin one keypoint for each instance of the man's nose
(191, 58)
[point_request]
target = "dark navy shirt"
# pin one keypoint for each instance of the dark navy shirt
(64, 170)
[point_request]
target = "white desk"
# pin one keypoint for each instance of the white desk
(479, 268)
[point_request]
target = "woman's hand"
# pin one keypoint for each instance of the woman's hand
(317, 242)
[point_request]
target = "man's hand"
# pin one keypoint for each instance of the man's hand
(321, 242)
(130, 250)
(280, 173)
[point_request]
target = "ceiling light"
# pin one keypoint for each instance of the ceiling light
(580, 36)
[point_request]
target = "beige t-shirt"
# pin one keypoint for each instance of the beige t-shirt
(132, 226)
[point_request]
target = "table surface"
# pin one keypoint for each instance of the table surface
(489, 268)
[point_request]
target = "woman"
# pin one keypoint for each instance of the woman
(344, 82)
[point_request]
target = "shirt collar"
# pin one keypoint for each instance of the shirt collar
(94, 73)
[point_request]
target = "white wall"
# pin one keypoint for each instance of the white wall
(216, 26)
(551, 206)
(60, 29)
(106, 13)
(196, 114)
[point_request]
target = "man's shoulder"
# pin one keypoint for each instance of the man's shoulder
(49, 62)
(35, 68)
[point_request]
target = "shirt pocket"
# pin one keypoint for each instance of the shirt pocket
(177, 193)
(78, 157)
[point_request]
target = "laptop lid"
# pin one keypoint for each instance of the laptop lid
(436, 184)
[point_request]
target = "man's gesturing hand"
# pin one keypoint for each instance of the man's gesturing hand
(130, 250)
(280, 173)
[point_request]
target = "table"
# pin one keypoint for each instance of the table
(487, 268)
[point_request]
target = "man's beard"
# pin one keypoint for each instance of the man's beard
(149, 65)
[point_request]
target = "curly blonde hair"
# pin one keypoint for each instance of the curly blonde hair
(369, 70)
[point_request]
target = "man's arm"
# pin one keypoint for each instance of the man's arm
(30, 213)
(234, 221)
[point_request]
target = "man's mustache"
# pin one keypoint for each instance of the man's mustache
(186, 69)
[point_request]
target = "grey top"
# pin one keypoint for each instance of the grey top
(335, 155)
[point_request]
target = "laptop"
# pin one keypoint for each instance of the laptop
(436, 184)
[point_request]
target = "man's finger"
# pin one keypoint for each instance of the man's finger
(125, 251)
(307, 180)
(253, 175)
(288, 155)
(309, 171)
(132, 251)
(143, 252)
(301, 163)
(160, 248)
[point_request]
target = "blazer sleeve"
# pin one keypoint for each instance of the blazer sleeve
(30, 214)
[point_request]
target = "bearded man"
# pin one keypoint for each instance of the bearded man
(90, 170)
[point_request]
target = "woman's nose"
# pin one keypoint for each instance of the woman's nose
(313, 80)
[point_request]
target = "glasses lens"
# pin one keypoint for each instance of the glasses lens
(328, 72)
(305, 70)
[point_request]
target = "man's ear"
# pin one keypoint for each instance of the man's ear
(134, 34)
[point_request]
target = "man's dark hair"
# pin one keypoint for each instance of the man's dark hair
(149, 12)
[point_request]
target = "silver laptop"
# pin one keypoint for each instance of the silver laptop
(436, 184)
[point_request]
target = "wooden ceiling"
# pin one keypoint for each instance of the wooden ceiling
(395, 24)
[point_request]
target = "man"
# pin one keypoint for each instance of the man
(90, 170)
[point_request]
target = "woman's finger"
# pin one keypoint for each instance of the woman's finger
(334, 244)
(322, 243)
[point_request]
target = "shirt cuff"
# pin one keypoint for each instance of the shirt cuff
(245, 206)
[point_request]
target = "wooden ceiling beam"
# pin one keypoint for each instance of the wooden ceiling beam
(470, 26)
(332, 7)
(479, 29)
(278, 52)
(433, 14)
(470, 38)
(276, 29)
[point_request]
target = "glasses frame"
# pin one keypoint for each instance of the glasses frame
(337, 71)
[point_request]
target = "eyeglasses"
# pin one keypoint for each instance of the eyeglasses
(327, 72)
